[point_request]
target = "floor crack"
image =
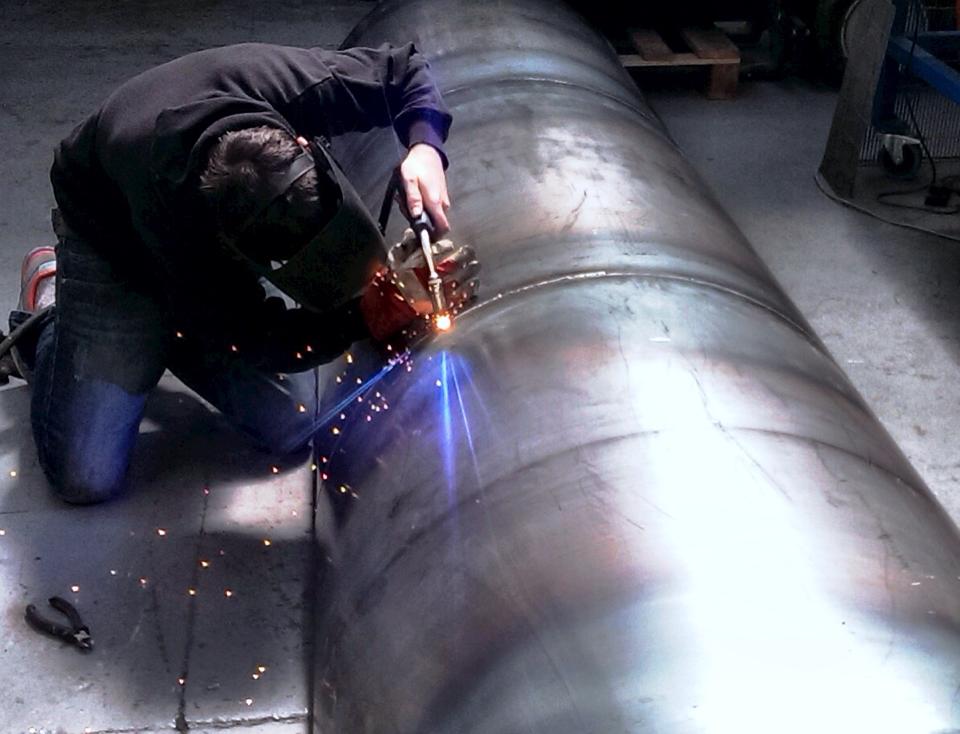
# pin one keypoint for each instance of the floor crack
(181, 720)
(227, 724)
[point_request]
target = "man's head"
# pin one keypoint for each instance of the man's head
(239, 184)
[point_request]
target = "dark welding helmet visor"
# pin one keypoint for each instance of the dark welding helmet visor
(339, 260)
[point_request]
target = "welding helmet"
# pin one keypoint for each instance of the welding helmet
(341, 257)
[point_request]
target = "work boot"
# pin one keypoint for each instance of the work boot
(37, 292)
(37, 284)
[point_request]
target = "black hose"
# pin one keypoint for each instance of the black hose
(19, 333)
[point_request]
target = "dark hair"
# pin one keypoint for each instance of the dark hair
(235, 184)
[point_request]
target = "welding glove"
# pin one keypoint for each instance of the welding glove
(398, 294)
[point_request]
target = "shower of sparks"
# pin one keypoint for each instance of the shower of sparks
(364, 386)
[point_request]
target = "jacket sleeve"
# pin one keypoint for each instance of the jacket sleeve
(297, 339)
(375, 87)
(277, 338)
(224, 305)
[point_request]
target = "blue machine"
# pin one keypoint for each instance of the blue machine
(912, 51)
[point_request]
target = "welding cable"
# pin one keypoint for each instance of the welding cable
(906, 97)
(829, 193)
(884, 198)
(18, 333)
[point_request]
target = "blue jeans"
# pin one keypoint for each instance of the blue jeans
(105, 349)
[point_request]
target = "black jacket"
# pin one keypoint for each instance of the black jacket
(126, 178)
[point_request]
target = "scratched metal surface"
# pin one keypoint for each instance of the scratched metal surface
(630, 491)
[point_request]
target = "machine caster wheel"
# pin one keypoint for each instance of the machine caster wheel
(911, 156)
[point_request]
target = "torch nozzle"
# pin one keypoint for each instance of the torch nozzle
(442, 318)
(435, 286)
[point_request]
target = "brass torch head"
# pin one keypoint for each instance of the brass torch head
(442, 319)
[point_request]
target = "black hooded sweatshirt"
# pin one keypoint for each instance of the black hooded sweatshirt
(126, 179)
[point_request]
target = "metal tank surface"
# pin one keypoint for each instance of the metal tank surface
(630, 491)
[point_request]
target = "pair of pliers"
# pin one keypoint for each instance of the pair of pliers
(77, 633)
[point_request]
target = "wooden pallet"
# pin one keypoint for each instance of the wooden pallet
(707, 47)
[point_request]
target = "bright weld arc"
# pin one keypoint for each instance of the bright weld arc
(448, 459)
(443, 322)
(466, 428)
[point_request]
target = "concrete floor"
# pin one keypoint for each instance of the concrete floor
(885, 300)
(151, 573)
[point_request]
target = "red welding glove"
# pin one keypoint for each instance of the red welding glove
(398, 295)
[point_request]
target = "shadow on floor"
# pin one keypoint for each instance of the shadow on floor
(201, 573)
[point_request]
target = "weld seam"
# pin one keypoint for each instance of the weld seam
(648, 275)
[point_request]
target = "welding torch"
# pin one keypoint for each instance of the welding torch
(423, 228)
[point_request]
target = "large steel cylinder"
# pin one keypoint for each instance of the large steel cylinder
(630, 491)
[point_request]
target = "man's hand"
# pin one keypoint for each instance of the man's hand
(425, 185)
